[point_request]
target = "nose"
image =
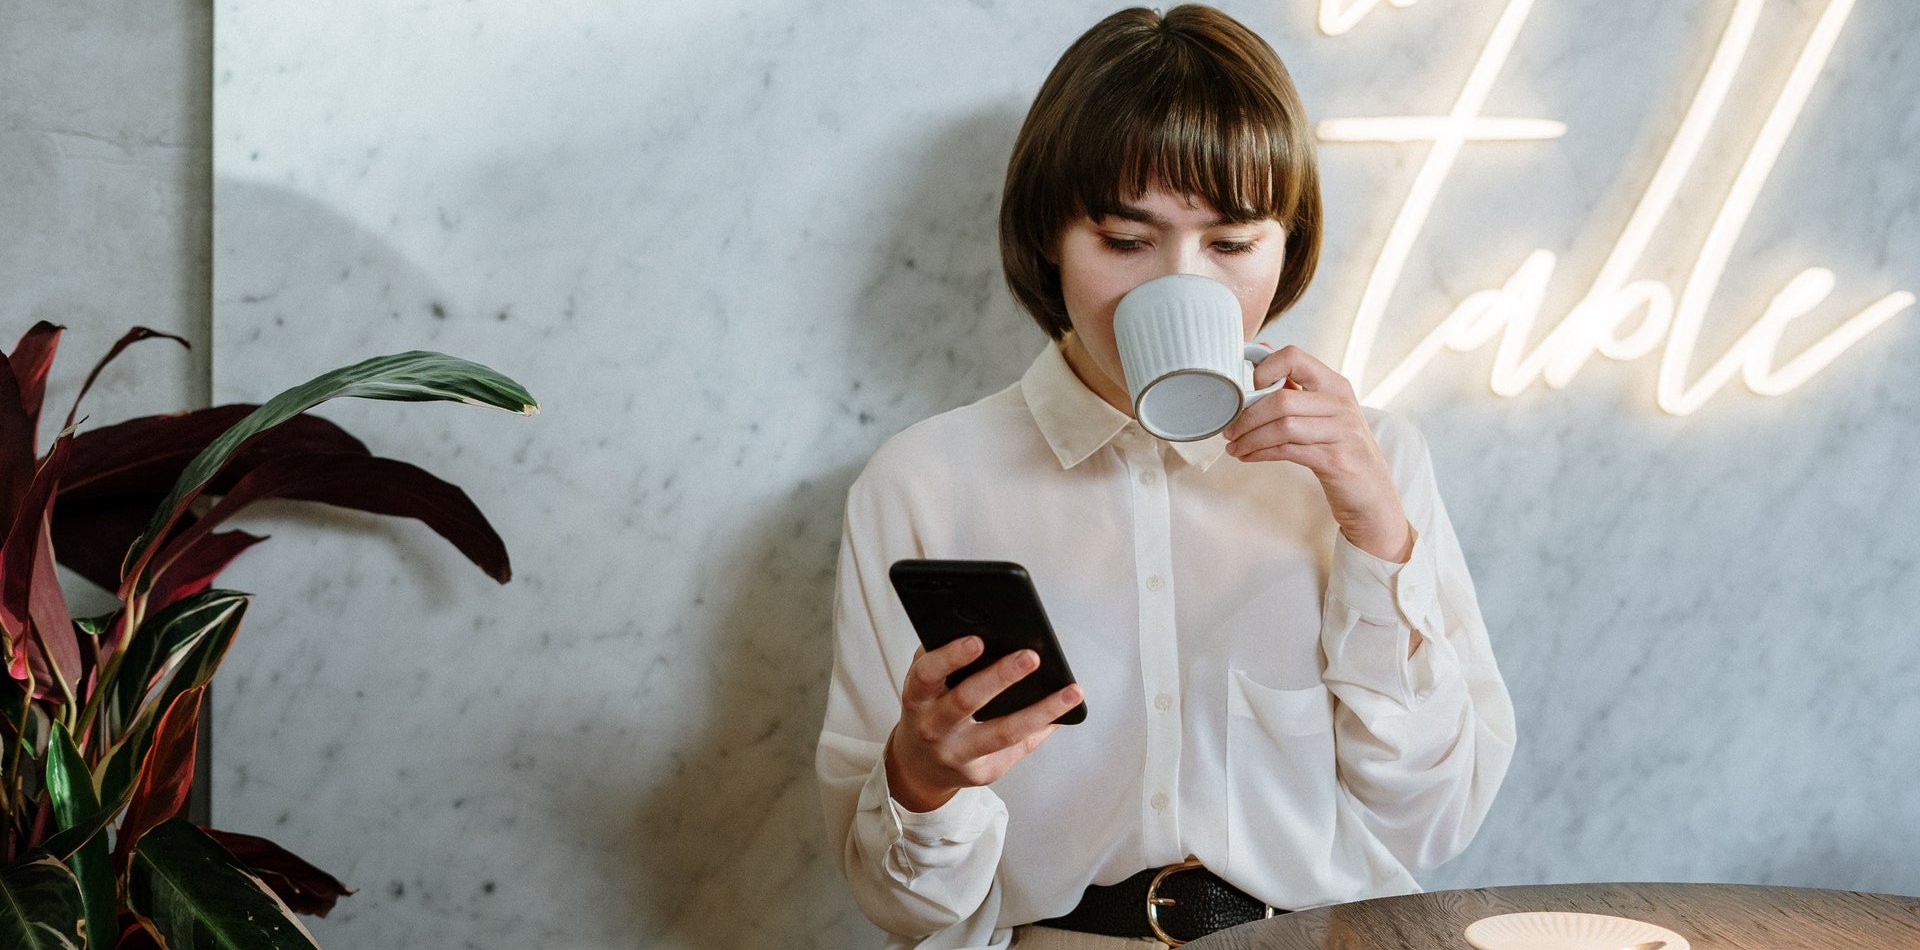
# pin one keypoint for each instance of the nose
(1188, 257)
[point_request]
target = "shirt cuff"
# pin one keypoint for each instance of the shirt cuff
(1384, 601)
(1384, 592)
(962, 819)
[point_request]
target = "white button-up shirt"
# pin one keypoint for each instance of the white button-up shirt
(1250, 700)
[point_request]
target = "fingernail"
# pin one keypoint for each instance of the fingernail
(1029, 660)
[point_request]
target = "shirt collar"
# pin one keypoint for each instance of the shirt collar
(1076, 422)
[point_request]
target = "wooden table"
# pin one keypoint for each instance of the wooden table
(1710, 916)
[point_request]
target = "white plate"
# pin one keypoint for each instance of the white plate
(1558, 930)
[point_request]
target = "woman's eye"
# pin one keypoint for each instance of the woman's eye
(1122, 244)
(1233, 247)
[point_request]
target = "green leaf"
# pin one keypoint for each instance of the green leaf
(68, 780)
(62, 845)
(416, 376)
(77, 811)
(95, 626)
(182, 626)
(202, 626)
(199, 897)
(40, 907)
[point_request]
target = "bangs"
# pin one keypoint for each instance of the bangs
(1169, 111)
(1201, 141)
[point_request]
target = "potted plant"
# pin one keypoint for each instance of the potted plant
(99, 715)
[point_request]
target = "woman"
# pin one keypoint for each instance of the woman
(1288, 677)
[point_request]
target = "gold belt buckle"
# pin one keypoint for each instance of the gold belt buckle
(1155, 903)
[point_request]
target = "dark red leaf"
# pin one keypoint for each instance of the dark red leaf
(52, 623)
(132, 336)
(30, 359)
(145, 456)
(166, 773)
(196, 569)
(121, 472)
(21, 579)
(16, 448)
(301, 886)
(91, 538)
(364, 483)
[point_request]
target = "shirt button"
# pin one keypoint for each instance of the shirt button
(1155, 583)
(1159, 801)
(1163, 702)
(1149, 477)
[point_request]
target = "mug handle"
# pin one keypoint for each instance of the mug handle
(1254, 353)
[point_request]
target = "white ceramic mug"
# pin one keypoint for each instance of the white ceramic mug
(1189, 373)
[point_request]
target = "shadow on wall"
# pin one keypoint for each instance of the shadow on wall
(294, 275)
(300, 288)
(732, 846)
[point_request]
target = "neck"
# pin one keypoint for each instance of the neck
(1083, 366)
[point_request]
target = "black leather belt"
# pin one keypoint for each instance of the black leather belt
(1174, 904)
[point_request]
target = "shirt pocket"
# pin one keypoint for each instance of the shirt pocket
(1281, 712)
(1282, 779)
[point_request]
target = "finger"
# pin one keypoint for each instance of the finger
(1304, 430)
(1302, 368)
(927, 677)
(980, 688)
(1319, 433)
(1306, 413)
(1025, 729)
(1316, 457)
(1286, 402)
(995, 764)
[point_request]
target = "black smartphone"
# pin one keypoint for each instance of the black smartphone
(995, 601)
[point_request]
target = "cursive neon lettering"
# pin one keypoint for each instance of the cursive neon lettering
(1593, 325)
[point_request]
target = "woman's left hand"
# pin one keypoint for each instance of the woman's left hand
(1317, 421)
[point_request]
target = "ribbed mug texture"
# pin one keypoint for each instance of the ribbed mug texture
(1177, 322)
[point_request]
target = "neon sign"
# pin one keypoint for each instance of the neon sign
(1593, 325)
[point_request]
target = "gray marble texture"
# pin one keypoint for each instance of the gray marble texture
(732, 247)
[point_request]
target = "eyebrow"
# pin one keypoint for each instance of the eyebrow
(1127, 212)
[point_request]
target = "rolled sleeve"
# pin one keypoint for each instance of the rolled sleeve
(1423, 742)
(912, 874)
(1372, 607)
(917, 843)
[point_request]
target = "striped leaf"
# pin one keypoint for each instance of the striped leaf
(196, 896)
(197, 631)
(40, 907)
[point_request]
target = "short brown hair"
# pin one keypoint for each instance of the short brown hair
(1192, 101)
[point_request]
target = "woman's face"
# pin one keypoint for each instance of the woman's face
(1155, 234)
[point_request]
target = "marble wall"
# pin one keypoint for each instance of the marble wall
(732, 246)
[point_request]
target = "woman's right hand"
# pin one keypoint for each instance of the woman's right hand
(937, 748)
